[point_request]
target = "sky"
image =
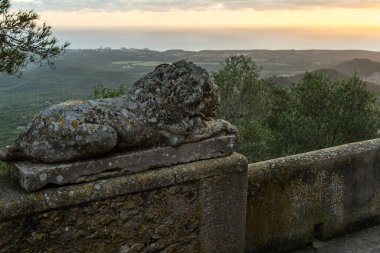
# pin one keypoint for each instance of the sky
(212, 24)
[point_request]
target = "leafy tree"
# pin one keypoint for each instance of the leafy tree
(245, 101)
(275, 121)
(322, 113)
(243, 92)
(102, 91)
(255, 140)
(22, 41)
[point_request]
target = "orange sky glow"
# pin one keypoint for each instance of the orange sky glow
(354, 20)
(334, 19)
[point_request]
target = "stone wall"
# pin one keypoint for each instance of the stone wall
(195, 207)
(203, 206)
(321, 194)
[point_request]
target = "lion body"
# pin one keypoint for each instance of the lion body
(172, 105)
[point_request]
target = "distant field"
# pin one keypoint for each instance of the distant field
(138, 63)
(156, 63)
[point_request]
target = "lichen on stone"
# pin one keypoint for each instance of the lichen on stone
(172, 105)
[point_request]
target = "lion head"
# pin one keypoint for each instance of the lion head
(178, 90)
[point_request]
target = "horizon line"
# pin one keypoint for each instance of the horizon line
(252, 49)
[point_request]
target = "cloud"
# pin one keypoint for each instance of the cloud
(162, 5)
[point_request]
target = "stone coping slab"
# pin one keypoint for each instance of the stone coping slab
(15, 201)
(336, 153)
(34, 176)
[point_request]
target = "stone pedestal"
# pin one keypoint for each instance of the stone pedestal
(34, 176)
(193, 207)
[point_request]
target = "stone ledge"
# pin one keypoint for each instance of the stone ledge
(34, 176)
(303, 160)
(15, 201)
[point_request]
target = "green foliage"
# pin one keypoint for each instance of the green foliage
(245, 100)
(2, 166)
(314, 113)
(244, 94)
(102, 91)
(22, 41)
(255, 140)
(321, 113)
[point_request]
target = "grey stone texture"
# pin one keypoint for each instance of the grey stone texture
(34, 176)
(172, 105)
(165, 220)
(365, 241)
(322, 194)
(181, 208)
(221, 198)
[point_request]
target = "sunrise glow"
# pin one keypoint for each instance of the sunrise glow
(313, 19)
(308, 20)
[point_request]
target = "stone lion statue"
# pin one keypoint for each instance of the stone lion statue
(172, 105)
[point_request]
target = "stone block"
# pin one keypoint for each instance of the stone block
(34, 176)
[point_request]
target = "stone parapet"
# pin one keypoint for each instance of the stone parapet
(193, 207)
(317, 195)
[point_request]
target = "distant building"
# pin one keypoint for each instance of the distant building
(104, 49)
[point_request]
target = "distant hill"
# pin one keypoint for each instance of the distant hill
(289, 80)
(331, 73)
(365, 68)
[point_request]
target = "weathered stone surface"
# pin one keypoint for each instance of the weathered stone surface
(221, 231)
(164, 220)
(15, 201)
(34, 176)
(170, 106)
(364, 241)
(163, 210)
(321, 194)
